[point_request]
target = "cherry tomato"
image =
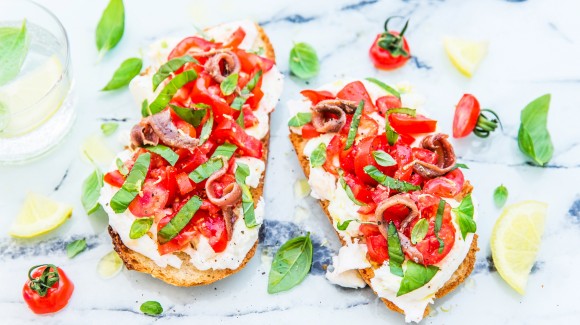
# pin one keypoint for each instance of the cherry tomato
(230, 130)
(445, 186)
(236, 39)
(356, 92)
(316, 96)
(367, 127)
(309, 131)
(390, 49)
(466, 116)
(386, 103)
(55, 298)
(376, 243)
(114, 178)
(407, 124)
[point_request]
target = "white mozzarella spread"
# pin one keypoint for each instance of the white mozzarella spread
(341, 209)
(345, 265)
(322, 183)
(257, 168)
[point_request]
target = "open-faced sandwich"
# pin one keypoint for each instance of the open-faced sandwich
(389, 184)
(185, 199)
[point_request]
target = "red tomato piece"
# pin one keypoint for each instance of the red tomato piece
(230, 130)
(446, 186)
(191, 43)
(361, 191)
(425, 155)
(114, 178)
(153, 197)
(249, 118)
(407, 124)
(183, 183)
(309, 131)
(333, 152)
(429, 246)
(236, 39)
(251, 62)
(56, 298)
(383, 59)
(376, 243)
(213, 227)
(316, 96)
(466, 116)
(386, 103)
(356, 91)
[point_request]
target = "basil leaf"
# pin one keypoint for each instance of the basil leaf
(140, 227)
(206, 129)
(170, 67)
(239, 101)
(304, 61)
(383, 159)
(385, 87)
(229, 85)
(500, 196)
(389, 182)
(181, 219)
(533, 137)
(170, 89)
(419, 231)
(318, 156)
(205, 170)
(344, 225)
(402, 110)
(128, 70)
(240, 120)
(291, 264)
(14, 44)
(300, 119)
(111, 26)
(121, 167)
(145, 111)
(165, 152)
(458, 165)
(396, 256)
(438, 222)
(464, 213)
(152, 308)
(189, 115)
(91, 191)
(348, 190)
(243, 171)
(254, 81)
(109, 128)
(354, 125)
(76, 247)
(392, 136)
(226, 150)
(416, 276)
(132, 184)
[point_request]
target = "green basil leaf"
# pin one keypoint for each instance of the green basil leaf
(109, 128)
(304, 61)
(76, 247)
(300, 119)
(111, 26)
(140, 227)
(128, 70)
(189, 115)
(206, 169)
(385, 87)
(240, 100)
(181, 219)
(91, 191)
(533, 137)
(464, 213)
(348, 190)
(438, 222)
(395, 184)
(226, 150)
(241, 173)
(152, 308)
(240, 120)
(419, 231)
(170, 89)
(291, 264)
(416, 276)
(145, 111)
(402, 110)
(344, 225)
(396, 256)
(167, 153)
(254, 81)
(14, 44)
(318, 156)
(132, 184)
(500, 196)
(383, 159)
(170, 67)
(392, 136)
(206, 129)
(354, 125)
(121, 167)
(458, 165)
(229, 85)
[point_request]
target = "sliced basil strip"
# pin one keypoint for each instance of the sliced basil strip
(181, 219)
(354, 125)
(385, 87)
(344, 225)
(206, 129)
(402, 110)
(438, 222)
(132, 184)
(300, 119)
(190, 115)
(170, 89)
(205, 170)
(389, 182)
(239, 101)
(226, 150)
(416, 276)
(170, 67)
(392, 136)
(242, 172)
(165, 152)
(396, 256)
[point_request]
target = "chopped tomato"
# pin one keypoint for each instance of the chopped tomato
(184, 237)
(182, 125)
(309, 131)
(183, 183)
(153, 197)
(429, 246)
(466, 116)
(56, 296)
(206, 93)
(386, 103)
(231, 131)
(191, 43)
(316, 96)
(376, 243)
(364, 157)
(334, 152)
(361, 191)
(445, 186)
(407, 124)
(367, 127)
(251, 61)
(188, 161)
(114, 178)
(249, 118)
(213, 227)
(236, 39)
(425, 155)
(356, 92)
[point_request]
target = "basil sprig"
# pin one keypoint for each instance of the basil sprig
(226, 150)
(181, 219)
(242, 172)
(152, 308)
(344, 225)
(128, 70)
(170, 89)
(385, 87)
(109, 128)
(304, 61)
(75, 247)
(14, 44)
(291, 264)
(229, 85)
(533, 137)
(91, 191)
(167, 153)
(416, 276)
(206, 129)
(121, 167)
(240, 100)
(354, 125)
(500, 195)
(132, 184)
(191, 115)
(438, 222)
(348, 190)
(300, 119)
(318, 156)
(419, 231)
(464, 213)
(111, 26)
(140, 227)
(396, 256)
(391, 134)
(383, 159)
(169, 68)
(205, 170)
(392, 183)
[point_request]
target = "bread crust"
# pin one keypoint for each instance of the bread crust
(462, 272)
(188, 275)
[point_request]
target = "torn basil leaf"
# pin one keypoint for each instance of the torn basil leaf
(300, 119)
(464, 213)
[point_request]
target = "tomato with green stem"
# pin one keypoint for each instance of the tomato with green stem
(469, 117)
(390, 49)
(47, 289)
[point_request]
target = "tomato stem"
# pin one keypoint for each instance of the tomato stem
(393, 43)
(485, 125)
(45, 281)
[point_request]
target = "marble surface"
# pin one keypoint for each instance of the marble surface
(534, 49)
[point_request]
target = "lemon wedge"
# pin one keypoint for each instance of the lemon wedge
(464, 54)
(515, 241)
(39, 215)
(110, 265)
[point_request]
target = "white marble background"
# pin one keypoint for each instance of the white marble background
(534, 49)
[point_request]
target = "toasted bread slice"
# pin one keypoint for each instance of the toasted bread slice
(367, 274)
(187, 275)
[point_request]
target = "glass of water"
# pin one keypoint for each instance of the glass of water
(36, 105)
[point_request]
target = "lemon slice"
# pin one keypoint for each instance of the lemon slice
(94, 148)
(515, 241)
(110, 265)
(39, 215)
(464, 54)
